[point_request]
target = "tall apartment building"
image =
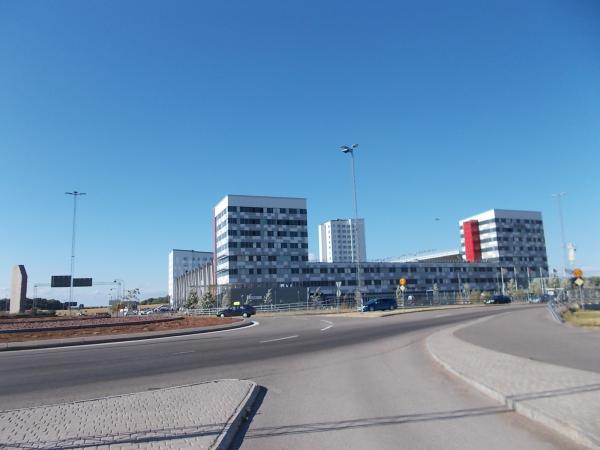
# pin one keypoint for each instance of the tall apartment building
(182, 261)
(342, 240)
(260, 239)
(508, 237)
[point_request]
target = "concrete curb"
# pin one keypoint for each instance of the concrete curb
(234, 423)
(569, 429)
(70, 342)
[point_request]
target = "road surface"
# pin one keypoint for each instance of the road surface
(329, 382)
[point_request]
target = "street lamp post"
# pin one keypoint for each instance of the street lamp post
(559, 198)
(354, 239)
(75, 194)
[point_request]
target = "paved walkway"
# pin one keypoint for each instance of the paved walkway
(534, 334)
(199, 416)
(564, 399)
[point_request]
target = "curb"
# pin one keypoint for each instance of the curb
(235, 421)
(569, 430)
(71, 342)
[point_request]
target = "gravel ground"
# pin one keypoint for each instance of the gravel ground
(75, 323)
(185, 322)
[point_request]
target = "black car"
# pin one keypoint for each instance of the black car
(499, 299)
(243, 310)
(380, 304)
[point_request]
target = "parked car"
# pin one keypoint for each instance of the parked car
(380, 304)
(102, 315)
(498, 300)
(243, 310)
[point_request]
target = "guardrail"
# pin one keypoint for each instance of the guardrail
(553, 307)
(321, 307)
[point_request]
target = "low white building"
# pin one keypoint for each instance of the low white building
(342, 240)
(182, 261)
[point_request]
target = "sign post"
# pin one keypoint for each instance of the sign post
(578, 274)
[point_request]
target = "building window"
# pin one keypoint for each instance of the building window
(272, 271)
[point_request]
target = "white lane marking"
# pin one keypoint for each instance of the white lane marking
(328, 326)
(135, 342)
(279, 339)
(441, 315)
(183, 353)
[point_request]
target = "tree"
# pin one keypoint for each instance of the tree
(316, 297)
(226, 300)
(192, 300)
(400, 296)
(511, 286)
(268, 298)
(207, 301)
(132, 295)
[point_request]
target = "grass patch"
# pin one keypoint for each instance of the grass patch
(583, 318)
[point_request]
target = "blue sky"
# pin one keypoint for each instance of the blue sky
(159, 109)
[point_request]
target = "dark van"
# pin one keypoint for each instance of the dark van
(380, 304)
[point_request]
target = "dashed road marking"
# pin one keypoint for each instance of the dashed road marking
(279, 339)
(330, 324)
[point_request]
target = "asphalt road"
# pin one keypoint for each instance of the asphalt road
(535, 335)
(329, 382)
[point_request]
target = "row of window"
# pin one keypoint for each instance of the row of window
(247, 244)
(260, 210)
(497, 221)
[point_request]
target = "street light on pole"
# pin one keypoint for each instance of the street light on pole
(559, 198)
(75, 194)
(354, 238)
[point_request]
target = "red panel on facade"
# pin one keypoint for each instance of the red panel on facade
(472, 241)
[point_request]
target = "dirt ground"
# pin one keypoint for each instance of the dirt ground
(186, 322)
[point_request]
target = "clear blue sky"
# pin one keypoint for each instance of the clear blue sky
(159, 109)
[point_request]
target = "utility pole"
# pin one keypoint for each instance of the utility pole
(559, 198)
(354, 238)
(75, 194)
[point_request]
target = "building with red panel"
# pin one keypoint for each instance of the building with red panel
(472, 242)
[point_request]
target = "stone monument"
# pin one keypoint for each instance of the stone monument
(18, 291)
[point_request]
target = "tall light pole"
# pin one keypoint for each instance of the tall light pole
(559, 198)
(75, 194)
(354, 239)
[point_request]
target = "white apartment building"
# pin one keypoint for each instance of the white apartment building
(508, 237)
(260, 239)
(342, 240)
(182, 261)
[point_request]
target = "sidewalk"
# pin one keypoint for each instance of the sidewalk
(564, 399)
(199, 416)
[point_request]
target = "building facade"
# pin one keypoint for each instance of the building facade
(506, 237)
(261, 244)
(260, 239)
(342, 240)
(182, 261)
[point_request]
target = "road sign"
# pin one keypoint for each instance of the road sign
(578, 273)
(60, 281)
(579, 282)
(402, 281)
(82, 282)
